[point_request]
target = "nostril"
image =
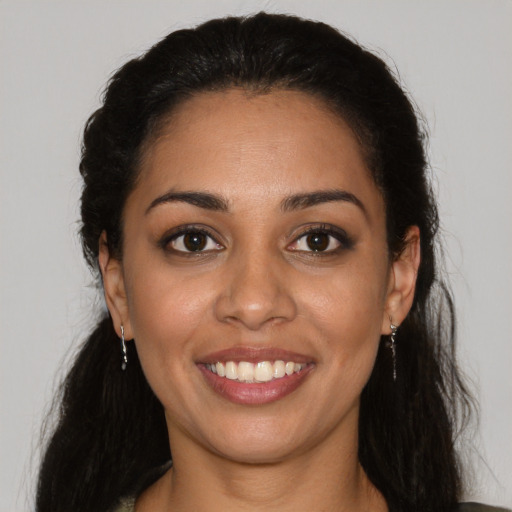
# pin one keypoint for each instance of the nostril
(255, 293)
(255, 312)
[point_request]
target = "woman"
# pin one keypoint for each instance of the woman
(256, 202)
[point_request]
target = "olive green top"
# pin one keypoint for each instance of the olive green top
(126, 506)
(129, 506)
(479, 507)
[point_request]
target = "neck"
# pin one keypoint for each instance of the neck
(323, 478)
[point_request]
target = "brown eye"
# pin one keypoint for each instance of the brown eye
(325, 240)
(195, 241)
(192, 241)
(318, 242)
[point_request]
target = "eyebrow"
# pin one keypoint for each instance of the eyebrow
(203, 200)
(302, 201)
(294, 202)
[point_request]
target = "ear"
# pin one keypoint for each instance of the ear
(402, 281)
(113, 284)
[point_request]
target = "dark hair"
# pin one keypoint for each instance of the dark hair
(111, 430)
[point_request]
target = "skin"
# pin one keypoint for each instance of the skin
(258, 284)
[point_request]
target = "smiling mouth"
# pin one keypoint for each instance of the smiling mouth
(262, 371)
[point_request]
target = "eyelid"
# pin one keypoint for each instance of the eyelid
(339, 234)
(183, 230)
(345, 241)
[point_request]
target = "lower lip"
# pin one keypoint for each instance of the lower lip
(257, 393)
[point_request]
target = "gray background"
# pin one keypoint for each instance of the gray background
(454, 57)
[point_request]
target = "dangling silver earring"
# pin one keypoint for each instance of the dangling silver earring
(124, 361)
(392, 346)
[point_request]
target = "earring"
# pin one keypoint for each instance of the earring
(392, 346)
(124, 361)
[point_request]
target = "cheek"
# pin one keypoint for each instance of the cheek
(347, 311)
(165, 310)
(167, 314)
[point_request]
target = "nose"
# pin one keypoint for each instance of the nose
(256, 292)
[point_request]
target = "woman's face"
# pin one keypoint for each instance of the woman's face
(255, 246)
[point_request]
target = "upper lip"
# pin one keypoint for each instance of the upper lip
(254, 355)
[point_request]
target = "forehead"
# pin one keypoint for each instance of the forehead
(245, 145)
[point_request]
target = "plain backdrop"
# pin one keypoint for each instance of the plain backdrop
(453, 56)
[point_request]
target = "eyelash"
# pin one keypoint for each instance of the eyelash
(183, 231)
(338, 234)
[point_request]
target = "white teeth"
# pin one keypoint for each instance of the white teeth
(245, 371)
(263, 371)
(279, 369)
(221, 371)
(231, 370)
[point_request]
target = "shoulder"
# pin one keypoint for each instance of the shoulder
(128, 505)
(478, 507)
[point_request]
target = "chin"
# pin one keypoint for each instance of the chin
(261, 441)
(260, 452)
